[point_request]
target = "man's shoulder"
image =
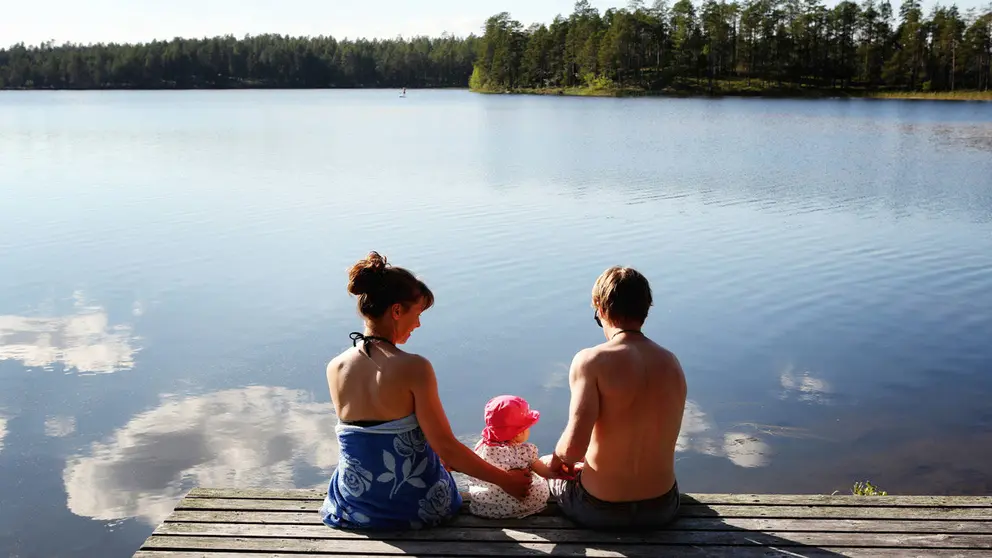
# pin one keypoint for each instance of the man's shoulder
(591, 359)
(611, 355)
(585, 355)
(591, 356)
(604, 351)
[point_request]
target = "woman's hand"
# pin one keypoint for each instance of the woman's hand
(517, 483)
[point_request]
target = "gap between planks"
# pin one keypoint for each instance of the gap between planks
(671, 552)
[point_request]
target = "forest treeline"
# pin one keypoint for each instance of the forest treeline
(868, 45)
(798, 42)
(255, 61)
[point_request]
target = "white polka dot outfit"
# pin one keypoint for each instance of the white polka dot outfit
(489, 500)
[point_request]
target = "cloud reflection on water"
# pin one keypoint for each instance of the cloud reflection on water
(698, 436)
(60, 427)
(745, 450)
(84, 341)
(558, 378)
(805, 387)
(251, 437)
(3, 431)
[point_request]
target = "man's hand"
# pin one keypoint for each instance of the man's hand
(560, 470)
(517, 483)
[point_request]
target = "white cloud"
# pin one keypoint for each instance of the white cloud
(804, 387)
(84, 341)
(59, 427)
(251, 437)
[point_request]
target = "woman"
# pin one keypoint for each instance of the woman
(392, 430)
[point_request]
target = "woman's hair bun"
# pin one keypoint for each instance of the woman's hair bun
(379, 286)
(367, 274)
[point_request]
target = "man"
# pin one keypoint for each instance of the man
(627, 399)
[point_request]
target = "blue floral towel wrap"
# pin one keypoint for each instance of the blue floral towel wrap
(389, 478)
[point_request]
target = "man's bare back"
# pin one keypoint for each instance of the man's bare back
(641, 386)
(625, 413)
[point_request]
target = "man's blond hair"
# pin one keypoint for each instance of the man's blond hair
(622, 294)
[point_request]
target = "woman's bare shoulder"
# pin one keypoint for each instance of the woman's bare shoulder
(340, 360)
(415, 365)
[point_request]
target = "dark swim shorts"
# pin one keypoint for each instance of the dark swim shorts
(593, 513)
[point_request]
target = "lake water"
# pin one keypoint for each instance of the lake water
(172, 283)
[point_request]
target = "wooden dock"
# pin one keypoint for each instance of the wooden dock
(214, 523)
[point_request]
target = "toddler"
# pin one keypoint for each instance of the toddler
(504, 445)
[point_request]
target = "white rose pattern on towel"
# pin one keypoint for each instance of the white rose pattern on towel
(489, 500)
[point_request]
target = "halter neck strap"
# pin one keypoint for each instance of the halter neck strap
(365, 339)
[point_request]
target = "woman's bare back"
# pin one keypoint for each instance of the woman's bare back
(371, 388)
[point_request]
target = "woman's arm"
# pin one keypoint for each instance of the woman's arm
(456, 455)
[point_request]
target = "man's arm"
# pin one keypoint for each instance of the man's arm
(583, 411)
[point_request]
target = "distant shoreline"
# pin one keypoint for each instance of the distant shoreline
(237, 88)
(698, 93)
(766, 93)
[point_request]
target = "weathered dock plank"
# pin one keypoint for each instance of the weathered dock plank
(760, 499)
(227, 526)
(847, 511)
(247, 523)
(287, 535)
(510, 546)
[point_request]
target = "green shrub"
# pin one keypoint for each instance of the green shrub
(866, 488)
(594, 81)
(476, 81)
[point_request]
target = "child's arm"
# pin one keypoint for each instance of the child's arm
(541, 468)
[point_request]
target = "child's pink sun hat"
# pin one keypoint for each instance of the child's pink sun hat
(507, 416)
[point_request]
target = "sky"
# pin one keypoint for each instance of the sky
(142, 20)
(94, 21)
